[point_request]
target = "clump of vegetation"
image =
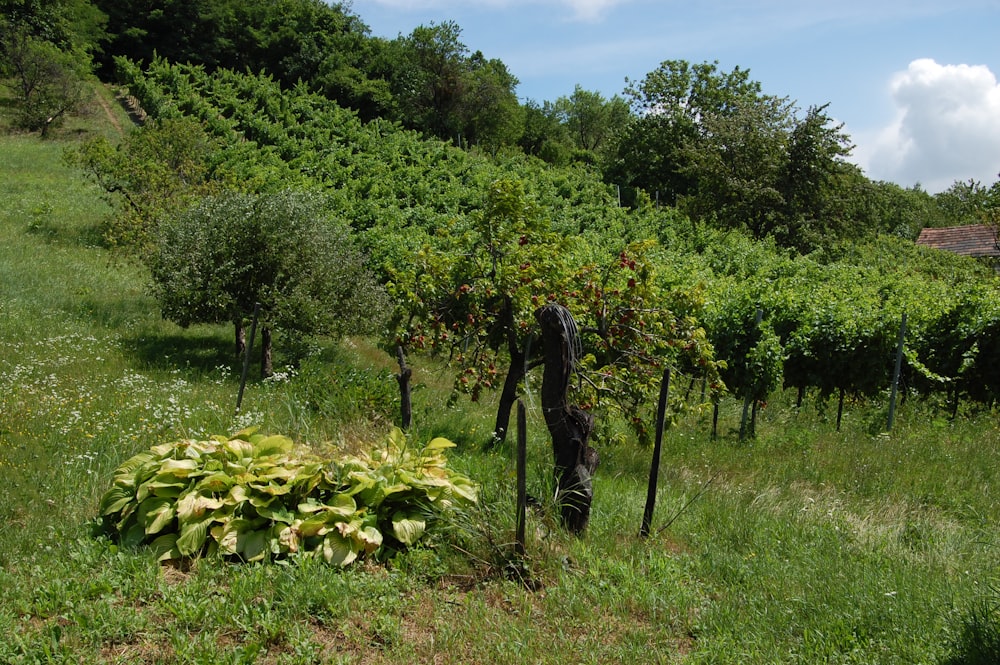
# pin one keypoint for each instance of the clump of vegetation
(255, 497)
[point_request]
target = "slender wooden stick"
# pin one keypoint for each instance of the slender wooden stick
(522, 462)
(654, 468)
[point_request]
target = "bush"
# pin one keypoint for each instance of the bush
(254, 497)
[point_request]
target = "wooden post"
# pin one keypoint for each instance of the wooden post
(840, 407)
(654, 467)
(522, 487)
(895, 374)
(750, 389)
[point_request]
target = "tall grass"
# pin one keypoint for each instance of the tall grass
(803, 545)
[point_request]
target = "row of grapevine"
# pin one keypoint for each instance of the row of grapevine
(834, 327)
(828, 323)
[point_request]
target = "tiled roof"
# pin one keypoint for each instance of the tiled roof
(974, 240)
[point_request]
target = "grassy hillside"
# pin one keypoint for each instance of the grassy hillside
(807, 545)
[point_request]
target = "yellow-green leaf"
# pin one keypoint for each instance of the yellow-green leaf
(407, 528)
(192, 537)
(338, 550)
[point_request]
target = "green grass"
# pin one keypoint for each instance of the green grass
(804, 545)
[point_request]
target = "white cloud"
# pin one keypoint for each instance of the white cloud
(591, 10)
(584, 10)
(947, 128)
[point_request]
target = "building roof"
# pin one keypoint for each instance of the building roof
(974, 240)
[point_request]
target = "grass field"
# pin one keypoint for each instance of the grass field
(805, 545)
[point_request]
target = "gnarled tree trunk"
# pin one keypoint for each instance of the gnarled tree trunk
(508, 397)
(569, 425)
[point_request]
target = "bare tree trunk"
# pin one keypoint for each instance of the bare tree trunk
(508, 396)
(266, 367)
(569, 426)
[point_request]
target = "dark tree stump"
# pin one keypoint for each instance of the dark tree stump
(569, 425)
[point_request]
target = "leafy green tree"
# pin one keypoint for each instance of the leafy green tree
(49, 83)
(734, 164)
(878, 207)
(492, 116)
(67, 24)
(545, 135)
(968, 202)
(592, 121)
(287, 252)
(811, 183)
(154, 172)
(668, 107)
(429, 68)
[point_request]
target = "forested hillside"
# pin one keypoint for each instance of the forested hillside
(663, 139)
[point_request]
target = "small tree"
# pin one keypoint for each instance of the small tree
(48, 82)
(151, 174)
(214, 262)
(474, 294)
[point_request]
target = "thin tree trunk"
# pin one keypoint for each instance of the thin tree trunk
(569, 426)
(508, 397)
(241, 336)
(405, 397)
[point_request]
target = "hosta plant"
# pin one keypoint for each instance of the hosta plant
(255, 497)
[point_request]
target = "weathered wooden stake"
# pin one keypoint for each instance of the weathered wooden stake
(654, 467)
(522, 486)
(750, 389)
(840, 407)
(895, 374)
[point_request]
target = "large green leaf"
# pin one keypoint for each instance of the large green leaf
(408, 527)
(179, 468)
(272, 445)
(115, 499)
(337, 550)
(159, 514)
(164, 489)
(165, 547)
(438, 444)
(232, 532)
(149, 506)
(277, 512)
(216, 482)
(254, 545)
(192, 537)
(193, 505)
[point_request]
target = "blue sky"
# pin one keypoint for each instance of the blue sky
(915, 82)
